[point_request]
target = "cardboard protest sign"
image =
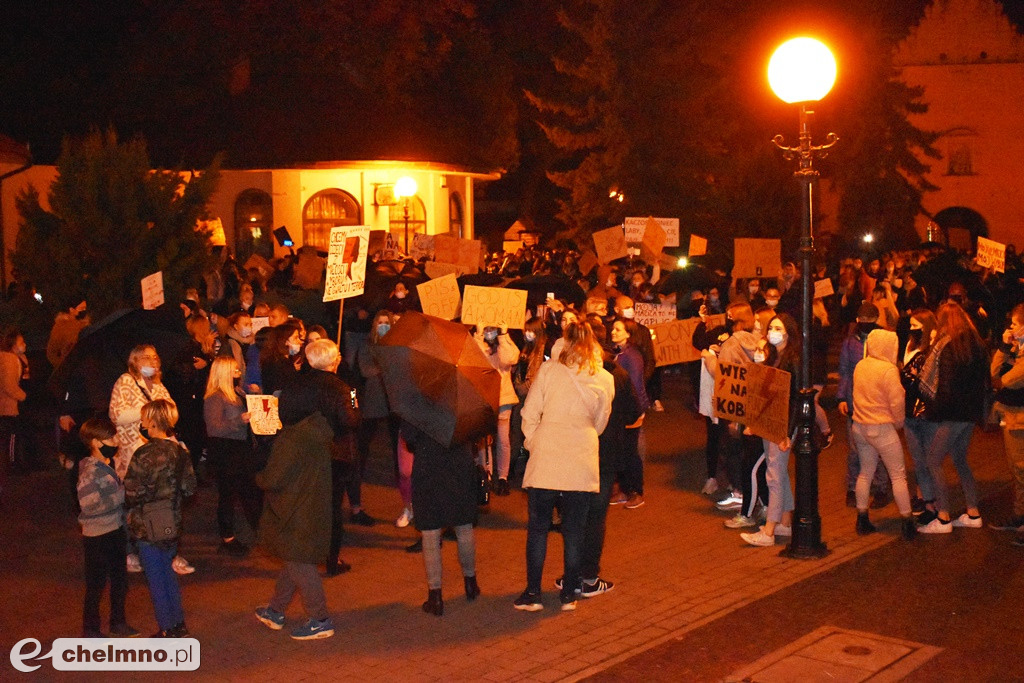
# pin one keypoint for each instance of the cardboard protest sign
(636, 227)
(756, 396)
(346, 262)
(309, 269)
(259, 323)
(422, 246)
(610, 244)
(378, 238)
(668, 262)
(440, 297)
(698, 246)
(823, 288)
(653, 314)
(588, 261)
(494, 306)
(991, 255)
(673, 342)
(757, 258)
(511, 246)
(466, 253)
(434, 269)
(259, 263)
(653, 242)
(263, 416)
(153, 290)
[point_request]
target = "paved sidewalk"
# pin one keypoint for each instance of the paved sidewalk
(674, 565)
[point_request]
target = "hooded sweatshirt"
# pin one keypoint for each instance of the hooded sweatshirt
(878, 396)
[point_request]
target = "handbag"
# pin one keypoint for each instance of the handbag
(158, 518)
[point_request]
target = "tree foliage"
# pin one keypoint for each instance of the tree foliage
(112, 221)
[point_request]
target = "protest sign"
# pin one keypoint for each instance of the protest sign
(673, 341)
(653, 314)
(757, 258)
(466, 253)
(434, 269)
(440, 297)
(378, 238)
(153, 290)
(588, 261)
(668, 262)
(259, 323)
(823, 288)
(636, 226)
(309, 269)
(346, 262)
(756, 396)
(991, 255)
(263, 416)
(610, 244)
(698, 246)
(494, 306)
(511, 246)
(422, 247)
(653, 242)
(259, 263)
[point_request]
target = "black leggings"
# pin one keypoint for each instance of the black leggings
(105, 559)
(232, 463)
(714, 442)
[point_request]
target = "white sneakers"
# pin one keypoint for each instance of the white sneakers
(935, 527)
(181, 566)
(133, 565)
(783, 530)
(732, 502)
(759, 539)
(405, 519)
(710, 487)
(966, 521)
(740, 521)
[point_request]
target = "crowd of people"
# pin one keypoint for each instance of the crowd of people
(928, 345)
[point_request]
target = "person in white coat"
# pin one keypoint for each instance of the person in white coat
(566, 410)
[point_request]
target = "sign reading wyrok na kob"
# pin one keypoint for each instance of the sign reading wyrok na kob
(346, 262)
(440, 297)
(991, 254)
(494, 306)
(756, 396)
(673, 341)
(636, 226)
(757, 258)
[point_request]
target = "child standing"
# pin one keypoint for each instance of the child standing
(104, 537)
(159, 475)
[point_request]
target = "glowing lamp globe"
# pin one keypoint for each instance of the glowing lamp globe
(802, 70)
(405, 187)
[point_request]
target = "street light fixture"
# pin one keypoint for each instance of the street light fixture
(802, 71)
(405, 189)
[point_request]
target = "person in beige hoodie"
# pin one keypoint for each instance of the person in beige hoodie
(878, 413)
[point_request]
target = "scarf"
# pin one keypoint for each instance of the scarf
(928, 380)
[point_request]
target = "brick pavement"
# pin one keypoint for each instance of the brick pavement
(674, 565)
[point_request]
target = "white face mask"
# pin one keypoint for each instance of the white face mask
(775, 337)
(490, 336)
(758, 356)
(529, 336)
(772, 302)
(628, 313)
(147, 370)
(293, 349)
(400, 295)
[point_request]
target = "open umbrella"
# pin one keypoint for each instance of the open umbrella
(538, 286)
(438, 379)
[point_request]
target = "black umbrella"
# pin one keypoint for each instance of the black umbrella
(680, 280)
(538, 286)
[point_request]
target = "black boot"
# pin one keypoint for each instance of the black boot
(864, 527)
(472, 589)
(909, 528)
(434, 603)
(336, 565)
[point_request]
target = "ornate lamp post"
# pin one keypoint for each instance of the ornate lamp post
(405, 189)
(802, 71)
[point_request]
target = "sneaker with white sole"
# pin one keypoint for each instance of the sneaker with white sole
(740, 521)
(710, 487)
(270, 617)
(181, 566)
(730, 503)
(759, 539)
(528, 602)
(968, 522)
(314, 629)
(132, 564)
(936, 526)
(405, 519)
(568, 602)
(783, 530)
(599, 586)
(1015, 523)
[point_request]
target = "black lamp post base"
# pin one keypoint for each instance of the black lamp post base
(814, 552)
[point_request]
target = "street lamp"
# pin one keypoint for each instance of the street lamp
(802, 71)
(405, 189)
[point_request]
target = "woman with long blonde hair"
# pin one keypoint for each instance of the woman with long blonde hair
(230, 451)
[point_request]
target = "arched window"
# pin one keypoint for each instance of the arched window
(959, 151)
(254, 216)
(417, 222)
(325, 210)
(455, 214)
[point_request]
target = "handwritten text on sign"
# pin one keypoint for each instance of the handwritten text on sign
(346, 262)
(153, 290)
(757, 257)
(263, 415)
(636, 226)
(494, 306)
(992, 255)
(440, 297)
(610, 244)
(654, 314)
(756, 396)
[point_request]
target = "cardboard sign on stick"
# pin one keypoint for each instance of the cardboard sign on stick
(757, 258)
(422, 247)
(511, 246)
(259, 263)
(756, 396)
(636, 227)
(309, 269)
(610, 244)
(823, 288)
(378, 240)
(494, 306)
(434, 269)
(346, 262)
(653, 314)
(263, 415)
(698, 246)
(153, 290)
(673, 342)
(991, 255)
(466, 253)
(440, 297)
(653, 242)
(588, 261)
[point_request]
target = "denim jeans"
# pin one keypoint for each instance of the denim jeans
(780, 493)
(951, 438)
(593, 534)
(163, 583)
(573, 506)
(919, 434)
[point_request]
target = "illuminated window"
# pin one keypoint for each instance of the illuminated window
(325, 210)
(455, 214)
(959, 148)
(254, 216)
(417, 219)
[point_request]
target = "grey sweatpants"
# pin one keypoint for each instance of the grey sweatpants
(432, 553)
(296, 576)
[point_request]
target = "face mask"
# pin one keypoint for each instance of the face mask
(864, 328)
(108, 452)
(529, 336)
(400, 295)
(754, 290)
(246, 332)
(628, 313)
(382, 329)
(957, 298)
(145, 433)
(729, 324)
(759, 356)
(147, 370)
(775, 337)
(490, 336)
(916, 336)
(772, 302)
(293, 349)
(712, 299)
